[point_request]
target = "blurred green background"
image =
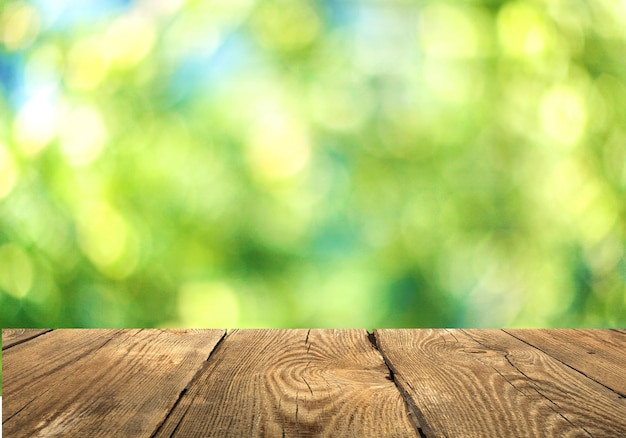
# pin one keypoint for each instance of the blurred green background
(321, 163)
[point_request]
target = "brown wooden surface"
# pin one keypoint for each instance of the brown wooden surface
(599, 354)
(292, 383)
(478, 383)
(433, 383)
(99, 382)
(559, 386)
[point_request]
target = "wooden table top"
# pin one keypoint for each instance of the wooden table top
(310, 383)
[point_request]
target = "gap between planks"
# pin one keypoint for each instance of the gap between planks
(411, 408)
(22, 336)
(19, 336)
(178, 421)
(131, 355)
(497, 348)
(413, 412)
(186, 388)
(565, 363)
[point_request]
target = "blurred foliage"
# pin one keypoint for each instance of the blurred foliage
(312, 163)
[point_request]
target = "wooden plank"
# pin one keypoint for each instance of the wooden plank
(598, 354)
(11, 337)
(456, 392)
(99, 383)
(292, 383)
(22, 379)
(583, 402)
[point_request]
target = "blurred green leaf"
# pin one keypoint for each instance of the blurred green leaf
(316, 163)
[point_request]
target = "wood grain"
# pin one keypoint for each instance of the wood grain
(11, 337)
(598, 354)
(454, 383)
(455, 391)
(583, 402)
(28, 368)
(99, 383)
(292, 383)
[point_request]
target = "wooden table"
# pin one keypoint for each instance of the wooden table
(333, 383)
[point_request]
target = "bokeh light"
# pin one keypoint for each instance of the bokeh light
(319, 163)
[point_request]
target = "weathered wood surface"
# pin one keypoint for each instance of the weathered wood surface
(556, 384)
(599, 354)
(478, 383)
(309, 383)
(292, 383)
(99, 382)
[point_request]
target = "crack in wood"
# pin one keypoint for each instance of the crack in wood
(21, 341)
(491, 366)
(545, 397)
(304, 378)
(528, 379)
(372, 339)
(182, 417)
(308, 386)
(6, 420)
(567, 365)
(297, 422)
(184, 391)
(63, 365)
(306, 341)
(453, 335)
(416, 418)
